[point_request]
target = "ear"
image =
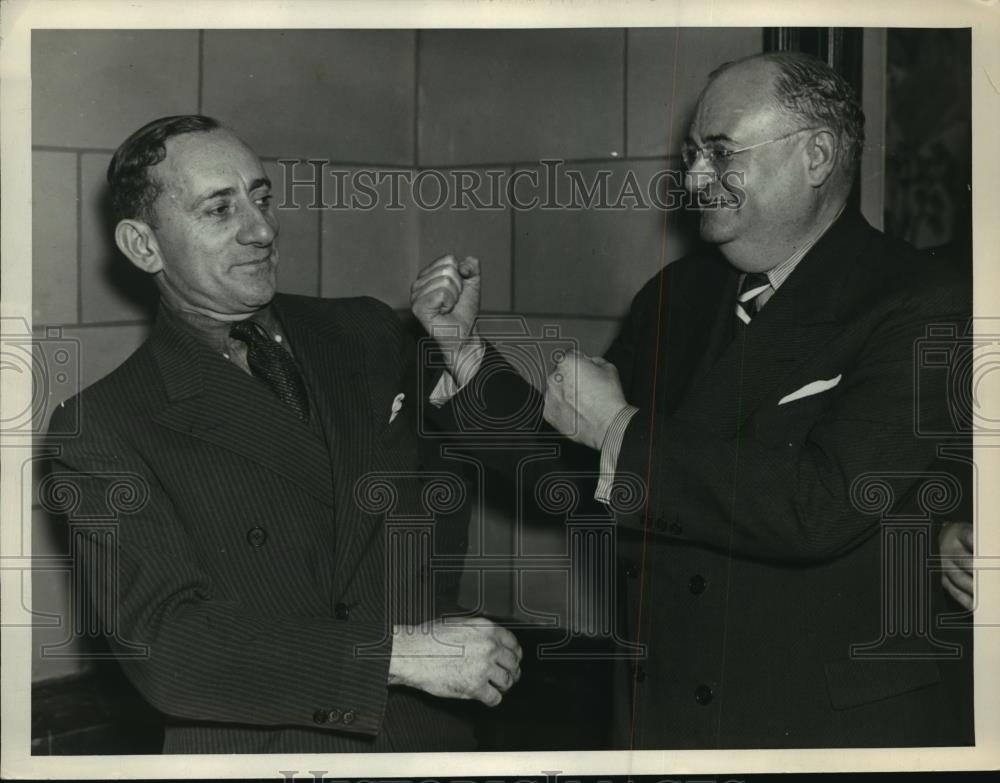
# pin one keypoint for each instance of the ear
(138, 243)
(821, 157)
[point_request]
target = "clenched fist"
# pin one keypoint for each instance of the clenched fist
(582, 397)
(474, 659)
(445, 299)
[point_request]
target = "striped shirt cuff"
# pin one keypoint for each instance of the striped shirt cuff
(448, 386)
(610, 449)
(444, 390)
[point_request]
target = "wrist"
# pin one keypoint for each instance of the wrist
(600, 434)
(467, 359)
(396, 658)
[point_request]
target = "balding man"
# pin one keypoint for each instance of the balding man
(755, 387)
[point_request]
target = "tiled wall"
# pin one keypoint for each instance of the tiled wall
(486, 99)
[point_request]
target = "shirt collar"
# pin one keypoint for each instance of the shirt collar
(213, 333)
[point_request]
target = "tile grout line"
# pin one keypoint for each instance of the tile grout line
(319, 252)
(513, 240)
(201, 69)
(79, 236)
(416, 98)
(625, 94)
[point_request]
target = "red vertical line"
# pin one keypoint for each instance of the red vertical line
(652, 412)
(732, 529)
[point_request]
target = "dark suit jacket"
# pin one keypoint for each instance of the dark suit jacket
(757, 561)
(252, 561)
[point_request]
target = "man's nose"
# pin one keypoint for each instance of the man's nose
(258, 228)
(699, 175)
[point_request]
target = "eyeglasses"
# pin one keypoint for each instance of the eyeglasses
(718, 157)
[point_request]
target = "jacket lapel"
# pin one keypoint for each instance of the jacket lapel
(688, 335)
(334, 363)
(801, 317)
(216, 402)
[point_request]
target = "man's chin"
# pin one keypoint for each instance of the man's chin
(259, 295)
(715, 228)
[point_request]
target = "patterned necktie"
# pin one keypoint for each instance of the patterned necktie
(752, 286)
(273, 365)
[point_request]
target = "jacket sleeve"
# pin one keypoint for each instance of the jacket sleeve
(204, 657)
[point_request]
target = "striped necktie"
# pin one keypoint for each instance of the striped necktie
(751, 287)
(273, 365)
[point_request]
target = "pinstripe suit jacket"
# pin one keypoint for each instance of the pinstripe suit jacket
(249, 565)
(757, 561)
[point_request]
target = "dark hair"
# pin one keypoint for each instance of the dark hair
(132, 190)
(811, 91)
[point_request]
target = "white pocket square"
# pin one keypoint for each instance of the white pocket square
(810, 389)
(397, 406)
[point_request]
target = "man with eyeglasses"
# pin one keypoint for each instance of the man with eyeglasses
(763, 390)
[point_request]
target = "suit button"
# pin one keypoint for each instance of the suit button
(341, 611)
(320, 716)
(348, 717)
(697, 584)
(333, 715)
(703, 695)
(256, 536)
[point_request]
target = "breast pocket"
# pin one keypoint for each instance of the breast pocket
(780, 425)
